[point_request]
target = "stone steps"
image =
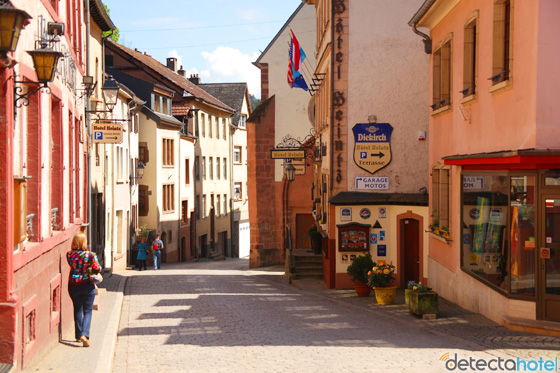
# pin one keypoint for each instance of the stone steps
(307, 265)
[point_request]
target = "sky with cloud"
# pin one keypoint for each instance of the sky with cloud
(216, 39)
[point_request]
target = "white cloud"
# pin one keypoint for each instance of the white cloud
(226, 65)
(248, 14)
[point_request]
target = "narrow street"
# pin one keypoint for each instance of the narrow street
(219, 316)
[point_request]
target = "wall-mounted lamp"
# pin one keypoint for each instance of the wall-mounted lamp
(45, 61)
(11, 23)
(139, 172)
(290, 173)
(110, 91)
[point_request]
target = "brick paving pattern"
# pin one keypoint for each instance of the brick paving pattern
(218, 316)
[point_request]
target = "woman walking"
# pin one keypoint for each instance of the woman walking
(83, 263)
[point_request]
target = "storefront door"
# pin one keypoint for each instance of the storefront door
(549, 258)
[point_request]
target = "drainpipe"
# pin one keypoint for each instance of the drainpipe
(180, 207)
(231, 181)
(416, 18)
(88, 124)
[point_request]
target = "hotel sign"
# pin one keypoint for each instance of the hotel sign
(287, 153)
(107, 132)
(372, 147)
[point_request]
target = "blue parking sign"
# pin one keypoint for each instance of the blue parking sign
(363, 155)
(98, 135)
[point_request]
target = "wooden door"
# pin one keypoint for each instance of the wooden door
(304, 222)
(411, 250)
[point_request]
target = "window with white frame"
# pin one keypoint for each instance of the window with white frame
(218, 205)
(238, 191)
(218, 168)
(237, 155)
(203, 206)
(243, 121)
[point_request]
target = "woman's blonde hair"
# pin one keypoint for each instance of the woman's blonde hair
(79, 242)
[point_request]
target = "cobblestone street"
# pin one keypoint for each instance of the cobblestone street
(218, 316)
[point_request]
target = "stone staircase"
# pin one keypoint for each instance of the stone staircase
(307, 265)
(214, 255)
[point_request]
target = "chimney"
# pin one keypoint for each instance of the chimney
(195, 79)
(181, 71)
(172, 64)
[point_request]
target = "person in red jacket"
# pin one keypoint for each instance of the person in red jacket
(82, 291)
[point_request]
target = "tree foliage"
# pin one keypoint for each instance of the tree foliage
(115, 35)
(254, 101)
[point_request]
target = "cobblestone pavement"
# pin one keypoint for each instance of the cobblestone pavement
(218, 316)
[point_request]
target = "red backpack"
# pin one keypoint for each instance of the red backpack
(155, 246)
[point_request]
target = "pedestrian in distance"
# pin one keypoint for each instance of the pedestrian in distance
(142, 255)
(83, 265)
(157, 247)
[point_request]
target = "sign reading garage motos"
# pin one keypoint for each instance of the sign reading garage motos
(372, 148)
(287, 153)
(107, 132)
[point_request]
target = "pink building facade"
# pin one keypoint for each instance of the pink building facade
(494, 141)
(43, 177)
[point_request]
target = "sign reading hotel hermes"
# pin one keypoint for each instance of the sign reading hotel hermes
(287, 153)
(107, 132)
(372, 148)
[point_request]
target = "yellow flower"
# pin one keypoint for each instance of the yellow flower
(386, 271)
(374, 268)
(379, 271)
(369, 273)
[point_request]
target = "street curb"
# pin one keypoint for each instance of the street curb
(109, 343)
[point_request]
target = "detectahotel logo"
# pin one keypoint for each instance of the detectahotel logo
(517, 364)
(372, 146)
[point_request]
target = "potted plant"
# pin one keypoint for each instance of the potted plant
(144, 233)
(380, 278)
(316, 240)
(358, 271)
(420, 299)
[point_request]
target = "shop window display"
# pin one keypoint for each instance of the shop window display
(485, 209)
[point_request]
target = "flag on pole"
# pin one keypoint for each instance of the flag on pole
(297, 56)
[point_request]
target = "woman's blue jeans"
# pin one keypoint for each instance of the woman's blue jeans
(82, 296)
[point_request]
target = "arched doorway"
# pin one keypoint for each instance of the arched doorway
(410, 248)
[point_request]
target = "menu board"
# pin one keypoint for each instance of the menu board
(353, 237)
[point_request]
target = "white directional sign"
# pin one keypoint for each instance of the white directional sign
(372, 183)
(107, 132)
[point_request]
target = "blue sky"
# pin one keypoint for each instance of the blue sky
(217, 39)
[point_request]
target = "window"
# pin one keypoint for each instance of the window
(161, 104)
(197, 207)
(197, 167)
(204, 206)
(442, 76)
(237, 191)
(167, 152)
(243, 121)
(143, 153)
(203, 168)
(499, 217)
(225, 204)
(217, 127)
(218, 205)
(168, 198)
(225, 168)
(187, 172)
(469, 58)
(237, 154)
(203, 124)
(211, 168)
(440, 198)
(185, 212)
(210, 119)
(218, 168)
(196, 124)
(143, 200)
(502, 45)
(224, 126)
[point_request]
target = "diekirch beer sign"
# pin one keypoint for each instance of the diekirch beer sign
(372, 146)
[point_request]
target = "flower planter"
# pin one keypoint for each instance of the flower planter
(421, 303)
(362, 289)
(385, 295)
